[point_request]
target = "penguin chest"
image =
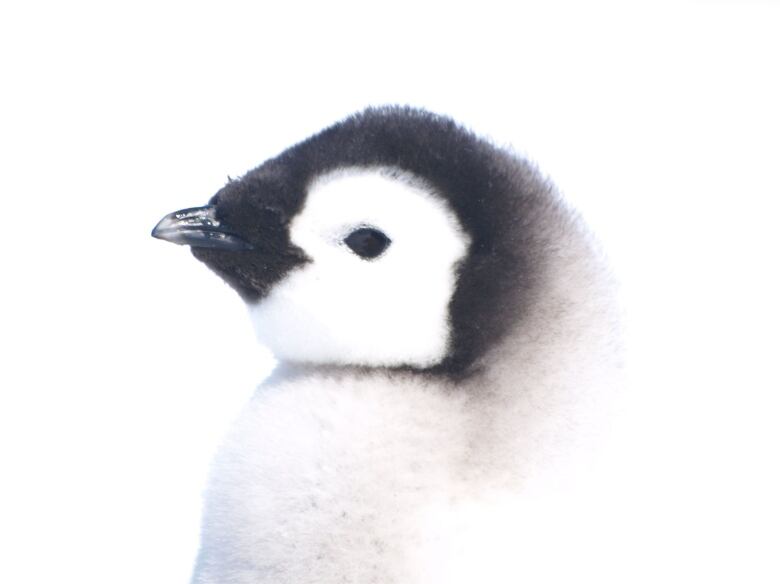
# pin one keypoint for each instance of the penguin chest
(324, 478)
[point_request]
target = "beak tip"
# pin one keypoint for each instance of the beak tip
(160, 233)
(163, 229)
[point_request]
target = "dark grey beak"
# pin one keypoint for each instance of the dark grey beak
(199, 227)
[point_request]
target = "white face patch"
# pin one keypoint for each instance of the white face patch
(343, 309)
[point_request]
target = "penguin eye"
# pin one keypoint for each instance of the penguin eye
(367, 242)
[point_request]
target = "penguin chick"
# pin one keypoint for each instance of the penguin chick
(445, 329)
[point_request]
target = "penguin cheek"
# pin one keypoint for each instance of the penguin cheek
(341, 309)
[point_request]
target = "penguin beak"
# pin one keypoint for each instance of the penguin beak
(199, 227)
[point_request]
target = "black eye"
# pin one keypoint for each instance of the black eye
(367, 242)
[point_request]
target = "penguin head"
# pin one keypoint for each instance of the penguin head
(394, 239)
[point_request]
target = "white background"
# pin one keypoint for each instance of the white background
(123, 359)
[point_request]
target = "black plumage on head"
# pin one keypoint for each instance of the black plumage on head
(501, 201)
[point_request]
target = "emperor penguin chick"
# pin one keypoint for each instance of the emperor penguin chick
(445, 330)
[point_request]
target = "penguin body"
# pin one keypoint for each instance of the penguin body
(446, 331)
